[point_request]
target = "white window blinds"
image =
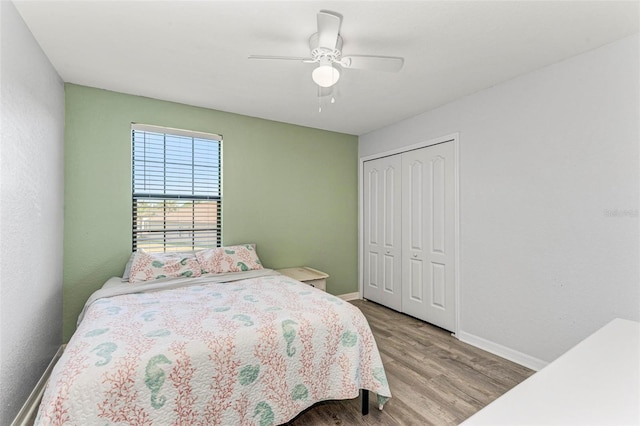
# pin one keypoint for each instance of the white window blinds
(176, 195)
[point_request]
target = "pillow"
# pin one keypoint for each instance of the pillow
(152, 266)
(229, 259)
(127, 267)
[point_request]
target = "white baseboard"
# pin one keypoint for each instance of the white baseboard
(484, 344)
(349, 296)
(502, 351)
(28, 412)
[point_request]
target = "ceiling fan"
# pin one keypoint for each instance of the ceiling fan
(326, 51)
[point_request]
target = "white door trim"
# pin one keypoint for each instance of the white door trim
(455, 138)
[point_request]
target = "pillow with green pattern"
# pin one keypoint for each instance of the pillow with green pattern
(229, 259)
(147, 266)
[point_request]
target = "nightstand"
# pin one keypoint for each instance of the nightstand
(310, 276)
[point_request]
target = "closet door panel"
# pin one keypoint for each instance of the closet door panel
(413, 226)
(371, 282)
(441, 309)
(439, 285)
(415, 293)
(383, 231)
(438, 201)
(428, 232)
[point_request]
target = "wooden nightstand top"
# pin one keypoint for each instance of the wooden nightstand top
(303, 273)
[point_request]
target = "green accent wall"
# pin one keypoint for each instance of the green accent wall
(291, 190)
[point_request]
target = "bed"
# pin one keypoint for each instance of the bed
(240, 348)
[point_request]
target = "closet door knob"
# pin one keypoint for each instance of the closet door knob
(388, 251)
(415, 254)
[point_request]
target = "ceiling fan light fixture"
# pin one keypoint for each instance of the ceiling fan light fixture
(325, 75)
(325, 50)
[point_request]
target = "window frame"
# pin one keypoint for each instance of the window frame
(165, 196)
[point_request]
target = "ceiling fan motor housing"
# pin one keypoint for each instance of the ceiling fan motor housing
(323, 53)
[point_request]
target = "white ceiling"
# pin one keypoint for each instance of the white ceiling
(195, 52)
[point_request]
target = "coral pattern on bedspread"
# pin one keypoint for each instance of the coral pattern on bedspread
(252, 352)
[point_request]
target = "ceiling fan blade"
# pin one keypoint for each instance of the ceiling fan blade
(376, 63)
(328, 28)
(287, 58)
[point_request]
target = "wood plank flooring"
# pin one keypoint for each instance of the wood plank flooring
(434, 378)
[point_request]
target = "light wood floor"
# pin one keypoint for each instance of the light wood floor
(434, 378)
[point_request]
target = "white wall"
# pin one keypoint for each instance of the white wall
(31, 211)
(549, 186)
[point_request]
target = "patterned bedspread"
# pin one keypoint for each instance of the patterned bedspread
(251, 352)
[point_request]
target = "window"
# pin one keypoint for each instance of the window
(176, 190)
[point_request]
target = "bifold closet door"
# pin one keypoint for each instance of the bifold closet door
(428, 290)
(382, 231)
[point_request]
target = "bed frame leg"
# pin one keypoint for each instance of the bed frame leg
(365, 401)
